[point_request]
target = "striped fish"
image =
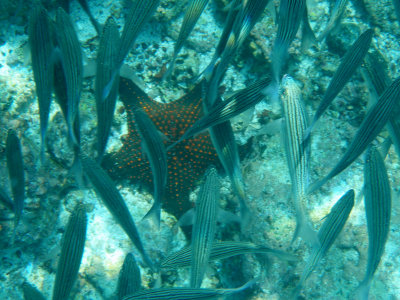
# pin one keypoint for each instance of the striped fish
(190, 19)
(41, 46)
(129, 280)
(291, 13)
(31, 292)
(71, 253)
(204, 226)
(227, 109)
(225, 145)
(376, 75)
(235, 6)
(349, 64)
(378, 205)
(222, 250)
(375, 119)
(186, 293)
(71, 60)
(114, 202)
(297, 155)
(15, 165)
(245, 20)
(157, 155)
(139, 12)
(327, 234)
(106, 64)
(336, 15)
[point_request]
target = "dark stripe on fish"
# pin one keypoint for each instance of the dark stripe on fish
(71, 253)
(129, 280)
(41, 46)
(113, 200)
(378, 205)
(375, 119)
(106, 64)
(222, 250)
(204, 227)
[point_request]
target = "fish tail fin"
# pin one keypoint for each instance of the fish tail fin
(306, 137)
(316, 185)
(246, 285)
(272, 91)
(362, 291)
(154, 214)
(306, 232)
(308, 38)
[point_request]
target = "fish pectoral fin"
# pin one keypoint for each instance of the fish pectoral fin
(226, 217)
(187, 218)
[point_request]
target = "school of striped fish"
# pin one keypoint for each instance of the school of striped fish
(307, 212)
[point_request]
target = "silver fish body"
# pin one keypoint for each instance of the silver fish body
(204, 227)
(222, 250)
(72, 65)
(129, 280)
(327, 234)
(378, 205)
(349, 64)
(185, 293)
(71, 253)
(190, 19)
(42, 47)
(291, 13)
(157, 155)
(375, 119)
(375, 73)
(139, 12)
(297, 155)
(113, 200)
(31, 292)
(336, 15)
(106, 64)
(228, 109)
(15, 165)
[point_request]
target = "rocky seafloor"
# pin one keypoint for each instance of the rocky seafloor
(34, 254)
